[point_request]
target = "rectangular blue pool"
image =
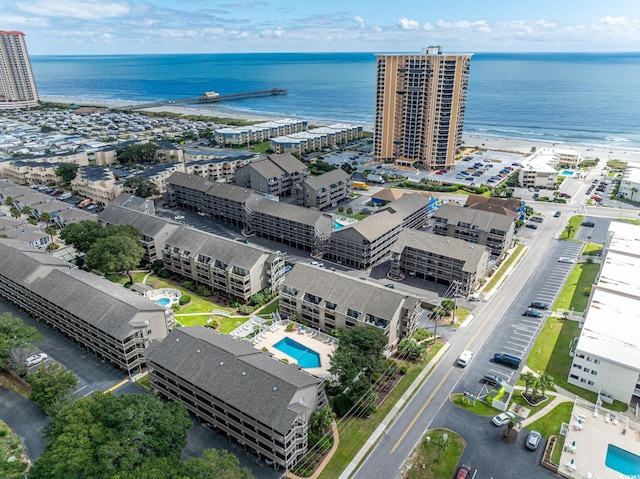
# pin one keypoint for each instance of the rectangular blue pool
(623, 461)
(307, 358)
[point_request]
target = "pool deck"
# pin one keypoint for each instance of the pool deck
(592, 440)
(323, 349)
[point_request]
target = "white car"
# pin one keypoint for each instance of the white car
(564, 259)
(35, 359)
(502, 418)
(178, 217)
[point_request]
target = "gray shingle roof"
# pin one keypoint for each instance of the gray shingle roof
(370, 228)
(347, 292)
(294, 213)
(192, 182)
(327, 179)
(483, 219)
(471, 254)
(235, 372)
(288, 162)
(107, 306)
(408, 205)
(152, 226)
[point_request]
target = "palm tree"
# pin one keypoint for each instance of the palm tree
(51, 230)
(442, 442)
(544, 382)
(529, 379)
(322, 419)
(26, 209)
(15, 212)
(46, 217)
(512, 425)
(570, 229)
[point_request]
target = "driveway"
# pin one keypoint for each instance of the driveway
(25, 419)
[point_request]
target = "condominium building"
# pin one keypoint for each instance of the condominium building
(275, 175)
(332, 300)
(97, 183)
(512, 207)
(323, 191)
(316, 139)
(254, 399)
(419, 109)
(109, 320)
(493, 230)
(606, 358)
(243, 135)
(17, 84)
(439, 259)
(630, 183)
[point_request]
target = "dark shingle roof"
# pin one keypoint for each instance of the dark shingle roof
(235, 372)
(483, 219)
(327, 179)
(294, 213)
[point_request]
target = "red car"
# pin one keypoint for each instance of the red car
(464, 472)
(440, 172)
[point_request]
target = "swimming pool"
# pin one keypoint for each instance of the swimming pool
(163, 301)
(623, 461)
(567, 173)
(337, 226)
(307, 358)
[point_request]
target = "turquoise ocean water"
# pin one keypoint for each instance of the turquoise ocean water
(584, 98)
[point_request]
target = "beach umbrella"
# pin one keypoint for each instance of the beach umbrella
(571, 462)
(573, 444)
(580, 422)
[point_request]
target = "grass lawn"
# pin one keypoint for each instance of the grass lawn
(11, 445)
(518, 399)
(592, 249)
(550, 424)
(616, 164)
(478, 407)
(424, 462)
(571, 229)
(272, 307)
(503, 268)
(557, 449)
(355, 433)
(229, 324)
(573, 294)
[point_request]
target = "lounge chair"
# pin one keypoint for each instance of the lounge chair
(577, 427)
(571, 466)
(607, 418)
(588, 475)
(595, 412)
(615, 420)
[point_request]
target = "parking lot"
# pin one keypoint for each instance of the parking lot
(491, 168)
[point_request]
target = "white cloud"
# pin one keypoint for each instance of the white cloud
(277, 33)
(427, 27)
(545, 23)
(360, 21)
(614, 20)
(408, 24)
(86, 10)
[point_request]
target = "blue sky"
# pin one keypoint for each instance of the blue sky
(204, 26)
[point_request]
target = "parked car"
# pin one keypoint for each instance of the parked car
(557, 214)
(540, 305)
(564, 259)
(502, 418)
(533, 313)
(533, 439)
(588, 224)
(389, 285)
(531, 226)
(491, 379)
(35, 359)
(464, 472)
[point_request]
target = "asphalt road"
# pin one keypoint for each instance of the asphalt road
(498, 326)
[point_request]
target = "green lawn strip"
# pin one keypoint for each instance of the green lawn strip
(557, 449)
(630, 220)
(550, 423)
(145, 382)
(360, 429)
(574, 222)
(424, 460)
(573, 295)
(11, 446)
(269, 308)
(505, 266)
(476, 407)
(592, 249)
(229, 324)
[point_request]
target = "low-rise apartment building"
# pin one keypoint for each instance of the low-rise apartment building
(606, 358)
(630, 183)
(275, 175)
(316, 139)
(540, 170)
(243, 135)
(323, 191)
(238, 390)
(493, 230)
(439, 259)
(97, 183)
(295, 226)
(24, 232)
(109, 320)
(234, 269)
(329, 300)
(513, 207)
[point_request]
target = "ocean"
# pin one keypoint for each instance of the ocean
(590, 99)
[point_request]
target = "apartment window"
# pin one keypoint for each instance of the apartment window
(583, 380)
(577, 366)
(586, 370)
(596, 361)
(573, 376)
(590, 383)
(589, 359)
(594, 372)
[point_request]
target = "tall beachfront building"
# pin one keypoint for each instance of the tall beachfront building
(420, 103)
(17, 85)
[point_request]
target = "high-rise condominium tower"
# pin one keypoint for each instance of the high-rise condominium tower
(17, 85)
(420, 102)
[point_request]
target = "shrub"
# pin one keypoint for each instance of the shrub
(188, 284)
(235, 304)
(587, 291)
(185, 299)
(193, 288)
(163, 273)
(341, 404)
(265, 349)
(246, 309)
(290, 327)
(212, 323)
(204, 291)
(268, 322)
(284, 360)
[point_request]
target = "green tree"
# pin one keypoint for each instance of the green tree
(51, 387)
(545, 382)
(51, 231)
(26, 210)
(321, 419)
(13, 334)
(141, 186)
(410, 349)
(115, 253)
(82, 235)
(105, 436)
(15, 212)
(511, 430)
(529, 380)
(9, 201)
(45, 217)
(441, 442)
(359, 352)
(569, 229)
(215, 464)
(138, 153)
(448, 305)
(67, 172)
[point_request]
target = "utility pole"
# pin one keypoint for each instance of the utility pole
(456, 285)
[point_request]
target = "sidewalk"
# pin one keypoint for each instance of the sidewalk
(373, 439)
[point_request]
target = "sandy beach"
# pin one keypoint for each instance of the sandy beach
(485, 142)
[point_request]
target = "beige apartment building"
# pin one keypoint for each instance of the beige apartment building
(323, 191)
(256, 400)
(420, 105)
(17, 84)
(330, 300)
(97, 183)
(275, 175)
